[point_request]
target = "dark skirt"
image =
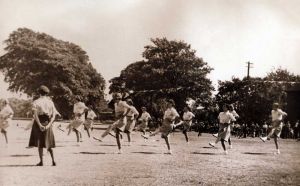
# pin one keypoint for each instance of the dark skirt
(42, 139)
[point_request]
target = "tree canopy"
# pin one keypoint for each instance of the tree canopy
(254, 97)
(34, 58)
(170, 69)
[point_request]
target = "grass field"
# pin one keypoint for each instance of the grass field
(250, 162)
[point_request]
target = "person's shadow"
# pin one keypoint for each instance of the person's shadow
(17, 165)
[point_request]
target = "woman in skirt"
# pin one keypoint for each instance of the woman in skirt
(143, 121)
(41, 133)
(225, 118)
(89, 122)
(187, 122)
(5, 119)
(167, 127)
(79, 118)
(277, 117)
(131, 117)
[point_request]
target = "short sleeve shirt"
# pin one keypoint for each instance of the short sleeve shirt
(171, 113)
(6, 111)
(187, 116)
(132, 111)
(145, 116)
(121, 108)
(44, 105)
(79, 108)
(277, 114)
(91, 114)
(226, 117)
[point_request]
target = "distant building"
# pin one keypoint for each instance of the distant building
(293, 102)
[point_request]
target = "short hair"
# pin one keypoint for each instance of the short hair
(43, 90)
(171, 101)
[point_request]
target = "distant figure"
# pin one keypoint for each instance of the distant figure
(277, 117)
(79, 118)
(236, 116)
(6, 115)
(89, 122)
(186, 122)
(131, 117)
(143, 120)
(121, 111)
(225, 119)
(167, 127)
(44, 115)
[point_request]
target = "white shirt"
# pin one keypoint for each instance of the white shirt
(277, 114)
(121, 108)
(187, 116)
(132, 112)
(6, 111)
(171, 114)
(79, 108)
(44, 105)
(226, 117)
(91, 114)
(145, 116)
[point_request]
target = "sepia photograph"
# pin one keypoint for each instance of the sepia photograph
(149, 92)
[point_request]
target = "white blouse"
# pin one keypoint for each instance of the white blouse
(187, 116)
(44, 105)
(171, 114)
(6, 111)
(226, 117)
(277, 114)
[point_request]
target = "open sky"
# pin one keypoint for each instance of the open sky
(225, 33)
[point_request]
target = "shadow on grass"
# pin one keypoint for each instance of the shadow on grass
(204, 153)
(108, 145)
(20, 155)
(17, 165)
(95, 153)
(256, 153)
(149, 145)
(209, 147)
(146, 153)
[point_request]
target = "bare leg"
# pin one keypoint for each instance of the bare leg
(118, 139)
(223, 144)
(276, 142)
(52, 156)
(167, 142)
(129, 136)
(186, 136)
(88, 132)
(5, 135)
(77, 135)
(41, 156)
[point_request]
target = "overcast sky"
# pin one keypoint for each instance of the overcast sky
(225, 33)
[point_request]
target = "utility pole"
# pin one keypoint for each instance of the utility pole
(248, 69)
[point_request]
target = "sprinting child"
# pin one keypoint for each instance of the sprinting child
(143, 121)
(225, 119)
(5, 118)
(89, 122)
(187, 122)
(79, 118)
(236, 116)
(277, 116)
(121, 110)
(167, 127)
(131, 117)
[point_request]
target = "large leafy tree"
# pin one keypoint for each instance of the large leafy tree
(254, 97)
(170, 69)
(34, 58)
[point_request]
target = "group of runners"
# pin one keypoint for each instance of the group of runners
(126, 116)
